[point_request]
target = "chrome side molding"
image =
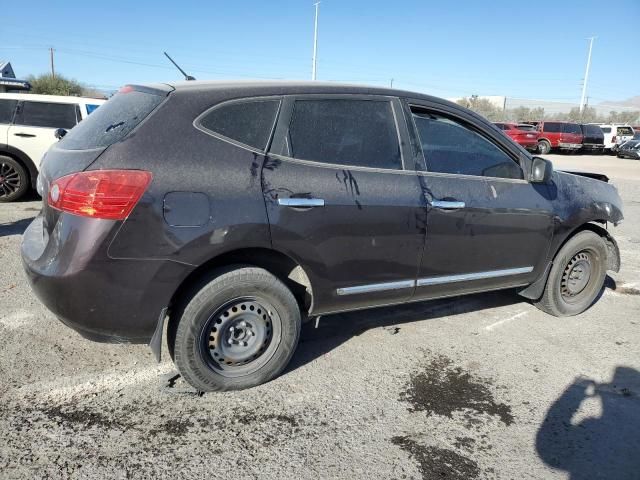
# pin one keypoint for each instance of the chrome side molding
(472, 276)
(423, 282)
(376, 287)
(301, 202)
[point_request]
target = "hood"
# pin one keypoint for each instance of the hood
(596, 176)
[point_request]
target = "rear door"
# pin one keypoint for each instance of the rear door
(487, 227)
(341, 203)
(35, 123)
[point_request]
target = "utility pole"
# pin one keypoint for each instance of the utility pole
(586, 76)
(315, 44)
(53, 71)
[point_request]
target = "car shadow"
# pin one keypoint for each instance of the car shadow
(602, 446)
(15, 228)
(334, 330)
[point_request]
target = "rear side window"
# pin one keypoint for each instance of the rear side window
(45, 114)
(249, 123)
(7, 108)
(552, 127)
(571, 128)
(345, 132)
(112, 121)
(606, 129)
(625, 131)
(451, 147)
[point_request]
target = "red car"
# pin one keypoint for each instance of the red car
(565, 136)
(525, 135)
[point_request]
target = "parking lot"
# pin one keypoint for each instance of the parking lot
(484, 386)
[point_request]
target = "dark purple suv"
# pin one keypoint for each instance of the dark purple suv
(232, 211)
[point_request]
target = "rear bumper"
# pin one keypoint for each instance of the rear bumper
(593, 146)
(103, 299)
(570, 146)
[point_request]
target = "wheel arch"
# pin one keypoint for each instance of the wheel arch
(24, 159)
(534, 291)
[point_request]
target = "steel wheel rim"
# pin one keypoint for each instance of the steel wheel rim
(240, 337)
(577, 277)
(9, 180)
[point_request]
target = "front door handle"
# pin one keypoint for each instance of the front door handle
(447, 205)
(25, 135)
(301, 202)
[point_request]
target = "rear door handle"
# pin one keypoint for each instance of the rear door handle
(446, 205)
(25, 135)
(301, 202)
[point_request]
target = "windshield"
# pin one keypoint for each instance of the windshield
(112, 121)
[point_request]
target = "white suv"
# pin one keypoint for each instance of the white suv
(27, 126)
(615, 135)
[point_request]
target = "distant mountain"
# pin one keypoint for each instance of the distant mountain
(633, 102)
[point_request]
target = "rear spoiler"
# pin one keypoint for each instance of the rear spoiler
(596, 176)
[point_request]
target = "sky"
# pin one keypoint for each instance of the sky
(533, 49)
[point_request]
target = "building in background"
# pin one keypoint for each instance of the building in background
(8, 80)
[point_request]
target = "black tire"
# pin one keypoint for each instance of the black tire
(238, 331)
(14, 179)
(544, 147)
(577, 276)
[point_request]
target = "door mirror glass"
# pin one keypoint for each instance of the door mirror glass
(59, 133)
(541, 170)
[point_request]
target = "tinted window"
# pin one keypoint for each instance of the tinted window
(6, 110)
(502, 126)
(112, 121)
(91, 107)
(552, 127)
(451, 147)
(346, 132)
(592, 130)
(606, 129)
(527, 128)
(249, 123)
(44, 114)
(625, 131)
(571, 128)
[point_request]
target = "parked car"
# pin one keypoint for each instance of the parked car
(593, 138)
(630, 148)
(27, 129)
(524, 135)
(565, 136)
(615, 135)
(233, 210)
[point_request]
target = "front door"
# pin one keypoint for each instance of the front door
(340, 202)
(487, 227)
(34, 125)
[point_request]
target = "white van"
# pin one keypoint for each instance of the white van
(27, 126)
(615, 135)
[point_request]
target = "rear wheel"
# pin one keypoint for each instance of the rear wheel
(238, 331)
(576, 277)
(544, 147)
(14, 180)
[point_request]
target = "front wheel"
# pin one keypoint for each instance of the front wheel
(576, 277)
(544, 147)
(238, 331)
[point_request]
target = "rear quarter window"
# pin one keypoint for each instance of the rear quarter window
(113, 121)
(45, 114)
(7, 107)
(247, 122)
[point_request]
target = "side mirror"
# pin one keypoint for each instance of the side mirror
(59, 133)
(541, 170)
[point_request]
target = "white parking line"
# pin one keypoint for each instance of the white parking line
(505, 320)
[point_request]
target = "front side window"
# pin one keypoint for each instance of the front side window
(249, 123)
(7, 108)
(44, 114)
(451, 147)
(552, 127)
(345, 132)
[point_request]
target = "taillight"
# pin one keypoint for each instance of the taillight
(106, 194)
(613, 139)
